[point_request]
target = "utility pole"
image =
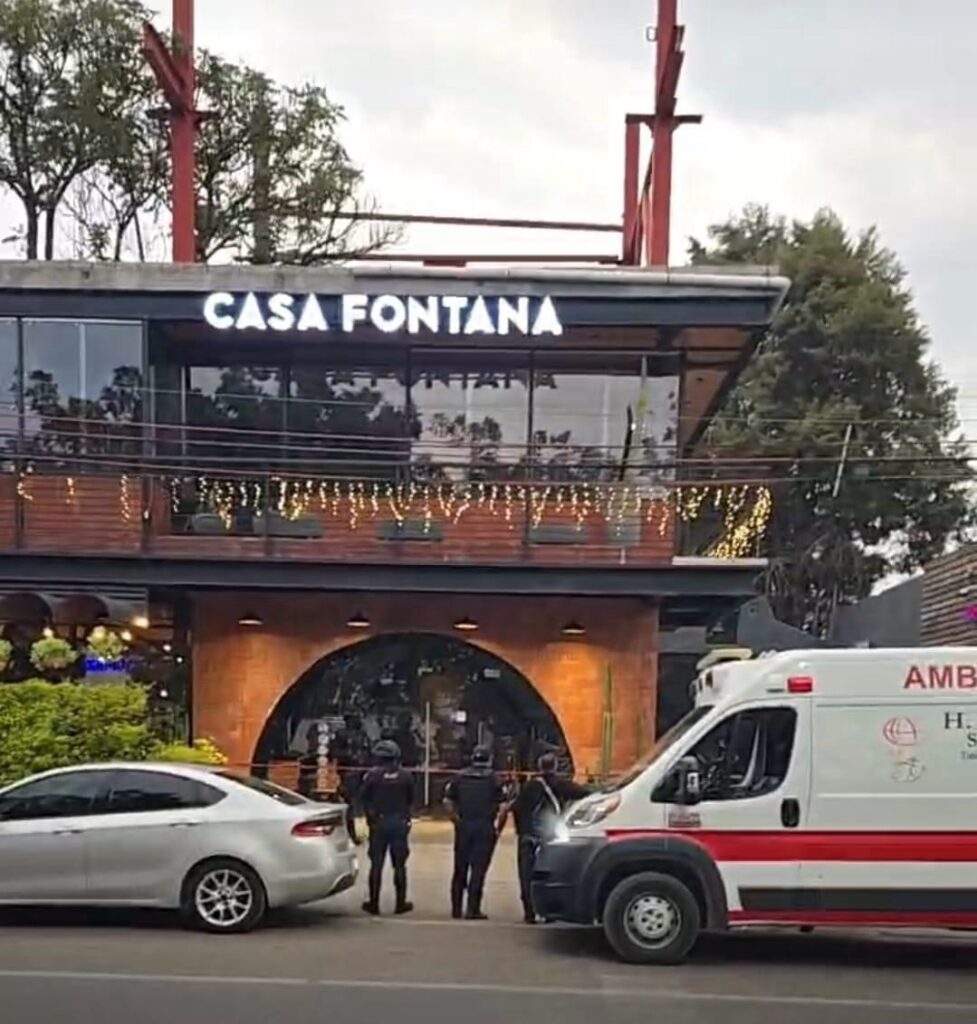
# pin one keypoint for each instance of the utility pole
(176, 75)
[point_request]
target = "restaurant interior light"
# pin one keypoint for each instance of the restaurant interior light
(465, 624)
(358, 621)
(140, 621)
(573, 628)
(250, 619)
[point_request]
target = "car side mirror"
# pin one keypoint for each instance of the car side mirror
(689, 782)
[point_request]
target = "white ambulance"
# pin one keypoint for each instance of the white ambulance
(831, 788)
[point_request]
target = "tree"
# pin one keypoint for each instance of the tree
(71, 80)
(83, 153)
(272, 175)
(846, 357)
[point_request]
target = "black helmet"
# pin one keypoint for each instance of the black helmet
(387, 752)
(481, 756)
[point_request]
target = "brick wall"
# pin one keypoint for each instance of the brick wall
(241, 672)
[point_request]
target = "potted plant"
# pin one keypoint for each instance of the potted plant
(105, 645)
(52, 655)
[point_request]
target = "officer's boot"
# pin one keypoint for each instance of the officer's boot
(403, 905)
(372, 904)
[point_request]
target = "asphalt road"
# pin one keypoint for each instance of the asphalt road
(328, 962)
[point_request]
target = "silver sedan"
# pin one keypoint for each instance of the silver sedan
(220, 847)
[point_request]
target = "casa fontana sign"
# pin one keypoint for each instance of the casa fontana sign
(391, 314)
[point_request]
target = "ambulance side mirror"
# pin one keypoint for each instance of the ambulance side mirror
(689, 782)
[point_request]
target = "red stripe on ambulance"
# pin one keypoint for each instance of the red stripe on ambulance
(777, 847)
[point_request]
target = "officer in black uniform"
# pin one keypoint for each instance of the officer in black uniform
(349, 750)
(474, 798)
(387, 797)
(536, 810)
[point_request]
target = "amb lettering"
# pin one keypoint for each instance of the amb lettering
(941, 677)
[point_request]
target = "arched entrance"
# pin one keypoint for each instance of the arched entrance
(396, 682)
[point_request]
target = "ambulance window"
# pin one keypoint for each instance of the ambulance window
(748, 754)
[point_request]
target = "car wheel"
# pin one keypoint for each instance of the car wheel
(224, 896)
(651, 919)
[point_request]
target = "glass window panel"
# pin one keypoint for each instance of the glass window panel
(82, 387)
(235, 416)
(470, 415)
(8, 387)
(348, 420)
(601, 416)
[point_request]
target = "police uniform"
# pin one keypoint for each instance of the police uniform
(475, 797)
(387, 798)
(536, 811)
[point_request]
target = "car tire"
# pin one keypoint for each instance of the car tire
(224, 896)
(651, 918)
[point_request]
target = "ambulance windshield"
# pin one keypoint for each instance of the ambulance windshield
(661, 745)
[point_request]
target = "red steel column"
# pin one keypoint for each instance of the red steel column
(663, 127)
(183, 133)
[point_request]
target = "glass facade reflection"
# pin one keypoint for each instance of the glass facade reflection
(82, 388)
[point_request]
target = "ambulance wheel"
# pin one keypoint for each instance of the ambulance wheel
(651, 919)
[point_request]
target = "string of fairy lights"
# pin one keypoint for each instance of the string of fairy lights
(739, 513)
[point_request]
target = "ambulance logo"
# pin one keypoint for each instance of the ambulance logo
(908, 770)
(900, 732)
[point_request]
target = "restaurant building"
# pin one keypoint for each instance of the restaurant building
(457, 502)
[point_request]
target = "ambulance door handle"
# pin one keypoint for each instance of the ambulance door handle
(790, 813)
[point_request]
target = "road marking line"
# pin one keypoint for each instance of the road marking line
(601, 992)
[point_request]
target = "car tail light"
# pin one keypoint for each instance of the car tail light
(317, 828)
(800, 684)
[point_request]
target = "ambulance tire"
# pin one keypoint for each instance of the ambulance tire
(651, 918)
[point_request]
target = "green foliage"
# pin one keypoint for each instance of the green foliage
(45, 725)
(72, 84)
(52, 654)
(6, 653)
(89, 165)
(847, 349)
(201, 751)
(272, 174)
(105, 644)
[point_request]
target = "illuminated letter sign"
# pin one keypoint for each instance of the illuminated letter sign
(388, 314)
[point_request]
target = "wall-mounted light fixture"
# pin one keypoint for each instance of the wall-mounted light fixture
(250, 619)
(358, 621)
(466, 625)
(573, 628)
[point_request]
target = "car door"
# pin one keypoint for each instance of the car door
(147, 836)
(755, 779)
(42, 837)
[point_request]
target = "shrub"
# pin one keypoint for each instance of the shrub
(202, 751)
(6, 653)
(45, 725)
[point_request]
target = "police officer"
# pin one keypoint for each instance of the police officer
(349, 751)
(474, 798)
(387, 797)
(536, 810)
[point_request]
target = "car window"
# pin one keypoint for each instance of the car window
(279, 793)
(132, 791)
(58, 796)
(747, 754)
